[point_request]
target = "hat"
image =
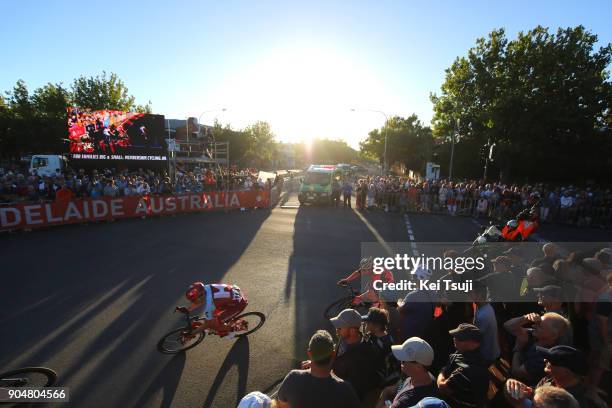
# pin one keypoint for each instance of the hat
(513, 251)
(347, 318)
(552, 291)
(504, 260)
(321, 346)
(466, 331)
(414, 349)
(255, 399)
(431, 402)
(376, 315)
(565, 356)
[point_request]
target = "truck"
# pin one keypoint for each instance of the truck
(317, 184)
(47, 164)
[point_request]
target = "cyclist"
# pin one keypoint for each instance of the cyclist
(366, 272)
(221, 302)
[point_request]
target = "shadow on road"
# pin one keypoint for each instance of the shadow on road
(106, 293)
(167, 382)
(326, 247)
(237, 356)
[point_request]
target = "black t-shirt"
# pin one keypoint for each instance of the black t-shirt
(409, 395)
(302, 390)
(357, 365)
(467, 377)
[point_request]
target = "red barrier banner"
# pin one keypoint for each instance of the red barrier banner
(30, 215)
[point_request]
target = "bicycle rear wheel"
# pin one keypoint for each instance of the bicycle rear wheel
(248, 322)
(28, 377)
(176, 342)
(339, 305)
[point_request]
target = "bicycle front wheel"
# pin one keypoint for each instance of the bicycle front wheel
(247, 323)
(177, 341)
(28, 377)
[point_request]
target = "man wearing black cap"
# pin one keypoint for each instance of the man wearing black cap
(317, 386)
(464, 381)
(565, 367)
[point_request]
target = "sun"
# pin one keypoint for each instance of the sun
(304, 92)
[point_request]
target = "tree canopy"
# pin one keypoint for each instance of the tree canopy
(36, 122)
(544, 99)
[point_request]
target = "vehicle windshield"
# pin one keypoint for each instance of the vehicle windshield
(317, 178)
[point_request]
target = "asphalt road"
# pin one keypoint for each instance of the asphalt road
(92, 301)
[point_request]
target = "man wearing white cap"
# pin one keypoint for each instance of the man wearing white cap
(415, 355)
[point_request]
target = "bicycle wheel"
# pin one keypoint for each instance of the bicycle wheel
(28, 377)
(174, 342)
(248, 323)
(339, 305)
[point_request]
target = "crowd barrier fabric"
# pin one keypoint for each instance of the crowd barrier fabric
(30, 215)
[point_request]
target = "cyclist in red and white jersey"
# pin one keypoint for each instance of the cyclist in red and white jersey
(368, 277)
(221, 302)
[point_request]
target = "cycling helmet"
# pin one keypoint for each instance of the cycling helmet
(366, 262)
(195, 290)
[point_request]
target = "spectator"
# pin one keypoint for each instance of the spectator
(549, 298)
(553, 397)
(416, 314)
(317, 386)
(485, 320)
(551, 254)
(547, 330)
(464, 381)
(431, 402)
(600, 336)
(415, 355)
(110, 190)
(355, 360)
(347, 191)
(565, 367)
(376, 324)
(256, 399)
(502, 284)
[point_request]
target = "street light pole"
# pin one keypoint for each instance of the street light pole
(453, 134)
(384, 167)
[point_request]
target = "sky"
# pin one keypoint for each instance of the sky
(301, 66)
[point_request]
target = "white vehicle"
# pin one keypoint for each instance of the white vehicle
(47, 164)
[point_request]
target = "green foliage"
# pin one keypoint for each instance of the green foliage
(262, 144)
(102, 92)
(408, 142)
(543, 98)
(36, 122)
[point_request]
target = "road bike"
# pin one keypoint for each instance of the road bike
(346, 302)
(28, 377)
(185, 338)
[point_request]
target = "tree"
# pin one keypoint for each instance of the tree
(408, 142)
(240, 142)
(102, 92)
(261, 149)
(543, 98)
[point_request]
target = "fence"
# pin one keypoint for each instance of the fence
(598, 216)
(36, 215)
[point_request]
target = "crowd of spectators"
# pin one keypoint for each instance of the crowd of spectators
(580, 206)
(16, 186)
(547, 345)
